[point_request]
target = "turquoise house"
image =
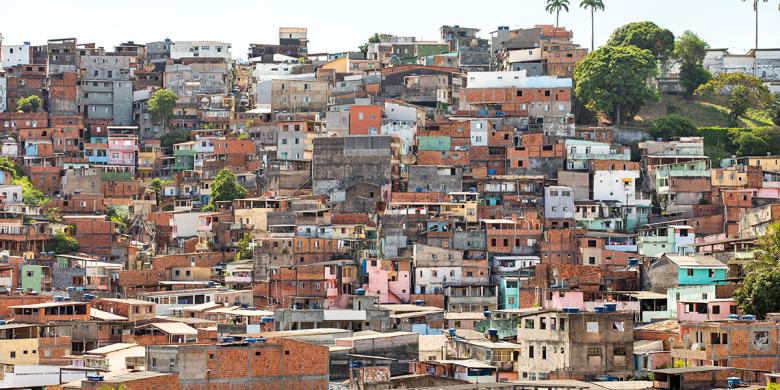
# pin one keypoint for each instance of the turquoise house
(508, 293)
(671, 271)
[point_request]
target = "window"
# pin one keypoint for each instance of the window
(716, 309)
(543, 323)
(690, 271)
(544, 353)
(619, 351)
(592, 327)
(529, 323)
(619, 326)
(594, 351)
(530, 352)
(711, 272)
(562, 325)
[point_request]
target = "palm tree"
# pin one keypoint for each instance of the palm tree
(594, 5)
(755, 9)
(767, 256)
(556, 6)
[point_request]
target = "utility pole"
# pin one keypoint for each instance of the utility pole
(755, 10)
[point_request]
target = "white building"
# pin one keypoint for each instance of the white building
(480, 130)
(558, 202)
(200, 49)
(617, 185)
(514, 79)
(11, 193)
(13, 55)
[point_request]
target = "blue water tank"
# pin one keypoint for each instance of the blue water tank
(493, 332)
(228, 339)
(452, 332)
(733, 382)
(266, 320)
(748, 317)
(250, 340)
(571, 310)
(95, 378)
(486, 313)
(633, 262)
(611, 307)
(733, 316)
(419, 302)
(600, 309)
(491, 171)
(360, 291)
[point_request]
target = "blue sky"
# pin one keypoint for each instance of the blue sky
(343, 25)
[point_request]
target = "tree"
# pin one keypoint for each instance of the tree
(757, 142)
(62, 243)
(119, 218)
(555, 6)
(613, 80)
(156, 187)
(177, 136)
(225, 188)
(594, 5)
(740, 91)
(376, 38)
(30, 195)
(645, 35)
(243, 246)
(767, 256)
(692, 76)
(671, 126)
(760, 292)
(160, 106)
(30, 103)
(690, 49)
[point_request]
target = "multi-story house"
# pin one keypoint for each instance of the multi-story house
(575, 345)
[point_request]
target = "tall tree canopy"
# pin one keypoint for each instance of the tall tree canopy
(645, 35)
(740, 91)
(556, 6)
(760, 290)
(225, 187)
(613, 80)
(689, 50)
(161, 104)
(594, 5)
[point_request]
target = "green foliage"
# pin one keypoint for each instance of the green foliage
(174, 137)
(555, 6)
(740, 91)
(672, 126)
(30, 103)
(760, 290)
(62, 243)
(225, 188)
(30, 195)
(775, 113)
(120, 218)
(156, 185)
(757, 142)
(690, 49)
(243, 136)
(692, 76)
(645, 35)
(160, 105)
(772, 386)
(168, 207)
(613, 80)
(242, 245)
(376, 38)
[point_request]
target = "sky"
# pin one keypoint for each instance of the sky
(343, 25)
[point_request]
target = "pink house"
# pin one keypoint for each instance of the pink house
(706, 310)
(332, 289)
(557, 300)
(389, 280)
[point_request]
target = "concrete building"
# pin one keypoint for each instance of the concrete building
(575, 345)
(200, 49)
(106, 88)
(12, 55)
(299, 95)
(431, 178)
(558, 202)
(339, 163)
(282, 362)
(674, 271)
